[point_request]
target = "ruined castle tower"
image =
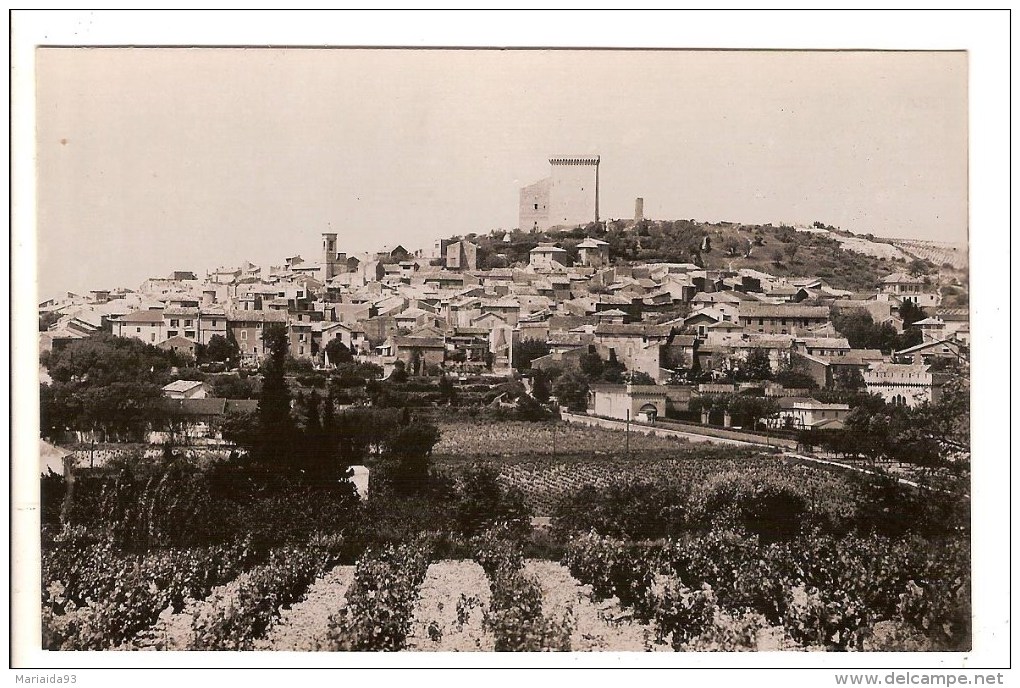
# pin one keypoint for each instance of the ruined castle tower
(567, 198)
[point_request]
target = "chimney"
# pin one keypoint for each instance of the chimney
(639, 209)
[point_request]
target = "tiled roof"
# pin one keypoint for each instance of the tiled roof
(256, 316)
(633, 330)
(750, 309)
(418, 343)
(900, 278)
(180, 310)
(773, 342)
(182, 385)
(825, 342)
(928, 345)
(196, 407)
(151, 316)
(240, 406)
(176, 341)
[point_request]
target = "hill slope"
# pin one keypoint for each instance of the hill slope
(846, 261)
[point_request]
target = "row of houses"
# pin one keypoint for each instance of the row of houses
(648, 403)
(432, 311)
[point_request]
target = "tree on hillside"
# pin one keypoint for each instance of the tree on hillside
(221, 349)
(408, 448)
(850, 379)
(732, 246)
(919, 267)
(640, 378)
(571, 390)
(337, 352)
(910, 312)
(795, 378)
(46, 320)
(749, 410)
(528, 350)
(861, 331)
(276, 426)
(399, 373)
(447, 392)
(540, 386)
(105, 384)
(612, 371)
(235, 387)
(591, 364)
(757, 366)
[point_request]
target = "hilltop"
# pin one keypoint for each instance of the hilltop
(845, 260)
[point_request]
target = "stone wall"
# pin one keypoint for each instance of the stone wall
(573, 191)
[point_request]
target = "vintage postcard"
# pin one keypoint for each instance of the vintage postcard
(387, 349)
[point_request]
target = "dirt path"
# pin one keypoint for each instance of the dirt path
(599, 626)
(448, 613)
(304, 626)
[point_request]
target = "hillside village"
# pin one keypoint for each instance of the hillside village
(673, 330)
(585, 433)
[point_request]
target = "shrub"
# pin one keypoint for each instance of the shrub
(483, 501)
(937, 598)
(613, 569)
(108, 598)
(762, 503)
(235, 620)
(680, 613)
(515, 615)
(629, 509)
(380, 601)
(729, 633)
(834, 619)
(170, 508)
(516, 620)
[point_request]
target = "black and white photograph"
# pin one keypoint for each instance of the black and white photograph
(483, 349)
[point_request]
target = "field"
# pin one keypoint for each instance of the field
(673, 547)
(515, 439)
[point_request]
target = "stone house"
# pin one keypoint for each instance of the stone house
(904, 384)
(784, 318)
(643, 403)
(186, 389)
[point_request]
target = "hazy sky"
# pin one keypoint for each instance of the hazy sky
(153, 160)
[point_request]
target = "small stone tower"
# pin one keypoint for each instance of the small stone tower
(639, 209)
(330, 264)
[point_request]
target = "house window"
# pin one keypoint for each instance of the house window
(187, 323)
(244, 334)
(138, 329)
(153, 336)
(301, 349)
(536, 206)
(301, 337)
(171, 333)
(761, 321)
(190, 334)
(174, 322)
